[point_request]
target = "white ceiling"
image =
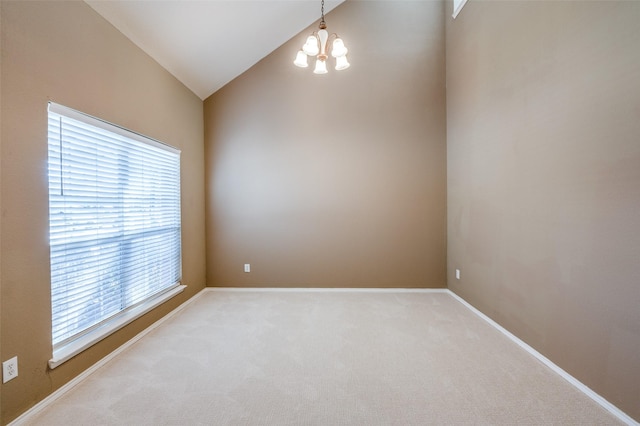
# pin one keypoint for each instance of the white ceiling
(207, 43)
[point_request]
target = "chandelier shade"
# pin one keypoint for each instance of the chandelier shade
(321, 67)
(316, 46)
(338, 49)
(311, 48)
(342, 63)
(301, 60)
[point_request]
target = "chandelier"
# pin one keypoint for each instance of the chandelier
(316, 45)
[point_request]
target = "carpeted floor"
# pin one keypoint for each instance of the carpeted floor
(324, 358)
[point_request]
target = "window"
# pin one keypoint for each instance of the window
(457, 7)
(114, 222)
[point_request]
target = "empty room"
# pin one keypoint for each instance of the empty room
(352, 212)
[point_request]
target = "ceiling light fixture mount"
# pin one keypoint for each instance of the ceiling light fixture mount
(316, 45)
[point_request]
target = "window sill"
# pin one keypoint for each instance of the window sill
(68, 351)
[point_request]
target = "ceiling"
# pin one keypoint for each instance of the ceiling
(207, 43)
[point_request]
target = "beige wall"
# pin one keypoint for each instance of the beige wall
(335, 180)
(63, 51)
(543, 110)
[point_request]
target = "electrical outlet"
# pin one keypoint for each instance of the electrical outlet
(457, 274)
(247, 267)
(10, 369)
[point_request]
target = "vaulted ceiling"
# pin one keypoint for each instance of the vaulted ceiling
(207, 43)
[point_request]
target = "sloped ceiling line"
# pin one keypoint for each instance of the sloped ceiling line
(207, 43)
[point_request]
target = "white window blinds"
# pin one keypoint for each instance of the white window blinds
(114, 221)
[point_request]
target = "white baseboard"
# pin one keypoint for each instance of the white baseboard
(328, 290)
(621, 415)
(57, 394)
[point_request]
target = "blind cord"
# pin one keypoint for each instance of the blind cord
(61, 178)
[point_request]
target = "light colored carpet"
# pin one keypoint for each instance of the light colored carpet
(324, 358)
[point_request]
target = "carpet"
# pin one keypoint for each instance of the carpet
(323, 358)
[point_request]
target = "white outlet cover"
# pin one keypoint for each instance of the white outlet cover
(9, 369)
(457, 274)
(247, 267)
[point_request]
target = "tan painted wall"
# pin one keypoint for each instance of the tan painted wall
(335, 180)
(543, 110)
(1, 49)
(65, 52)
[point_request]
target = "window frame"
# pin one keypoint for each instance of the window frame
(69, 347)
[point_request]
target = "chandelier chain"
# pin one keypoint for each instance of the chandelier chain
(322, 23)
